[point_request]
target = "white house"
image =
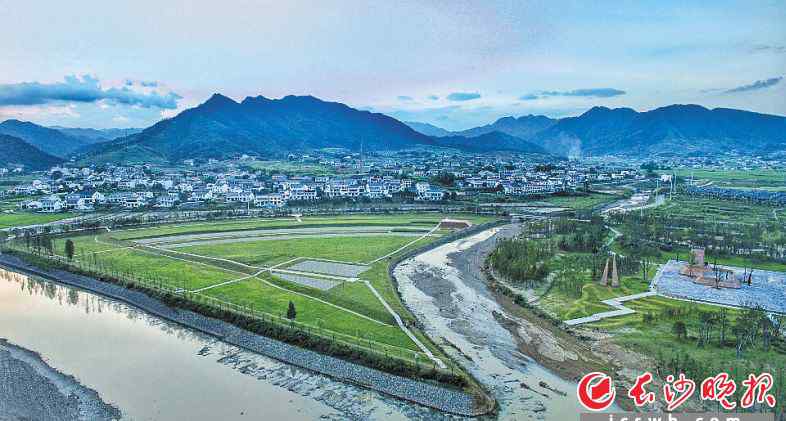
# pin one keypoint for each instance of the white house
(274, 200)
(51, 204)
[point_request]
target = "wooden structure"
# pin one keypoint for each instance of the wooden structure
(615, 279)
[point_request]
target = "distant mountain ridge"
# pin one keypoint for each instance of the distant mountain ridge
(495, 141)
(670, 130)
(524, 127)
(221, 127)
(429, 129)
(50, 141)
(16, 151)
(96, 135)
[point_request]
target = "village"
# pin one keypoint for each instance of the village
(247, 183)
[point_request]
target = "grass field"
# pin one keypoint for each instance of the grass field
(735, 178)
(581, 202)
(708, 209)
(403, 221)
(271, 252)
(251, 271)
(21, 219)
(292, 168)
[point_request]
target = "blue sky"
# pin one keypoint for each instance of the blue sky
(452, 63)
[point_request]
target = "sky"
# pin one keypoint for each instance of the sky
(452, 63)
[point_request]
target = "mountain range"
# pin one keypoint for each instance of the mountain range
(16, 151)
(93, 136)
(222, 127)
(670, 130)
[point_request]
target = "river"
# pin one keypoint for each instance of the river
(446, 290)
(151, 369)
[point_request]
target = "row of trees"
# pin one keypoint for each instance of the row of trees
(752, 327)
(649, 233)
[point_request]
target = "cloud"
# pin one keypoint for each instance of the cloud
(529, 97)
(763, 48)
(759, 84)
(433, 97)
(463, 96)
(590, 92)
(404, 98)
(84, 89)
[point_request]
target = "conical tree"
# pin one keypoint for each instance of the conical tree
(291, 312)
(69, 249)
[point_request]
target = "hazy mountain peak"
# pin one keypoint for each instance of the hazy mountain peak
(218, 99)
(259, 99)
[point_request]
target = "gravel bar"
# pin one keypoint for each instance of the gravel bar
(430, 395)
(32, 390)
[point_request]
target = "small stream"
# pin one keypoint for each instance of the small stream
(151, 369)
(446, 291)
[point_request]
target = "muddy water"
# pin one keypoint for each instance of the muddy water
(446, 291)
(152, 369)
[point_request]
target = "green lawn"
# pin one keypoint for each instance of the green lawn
(734, 178)
(270, 252)
(566, 307)
(402, 220)
(148, 266)
(712, 210)
(343, 310)
(292, 168)
(581, 202)
(21, 219)
(275, 301)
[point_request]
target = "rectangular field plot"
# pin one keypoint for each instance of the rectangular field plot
(330, 268)
(348, 249)
(308, 281)
(767, 289)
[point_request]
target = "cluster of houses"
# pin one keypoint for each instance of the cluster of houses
(132, 187)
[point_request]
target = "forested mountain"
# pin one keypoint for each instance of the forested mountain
(16, 151)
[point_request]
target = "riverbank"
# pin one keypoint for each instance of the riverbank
(426, 394)
(31, 389)
(447, 291)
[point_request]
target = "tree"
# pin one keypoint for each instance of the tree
(291, 312)
(69, 249)
(679, 330)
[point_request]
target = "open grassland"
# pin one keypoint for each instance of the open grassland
(426, 220)
(252, 272)
(712, 210)
(292, 168)
(348, 309)
(21, 219)
(587, 202)
(565, 307)
(266, 298)
(735, 178)
(271, 252)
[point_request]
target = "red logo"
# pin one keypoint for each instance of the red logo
(596, 391)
